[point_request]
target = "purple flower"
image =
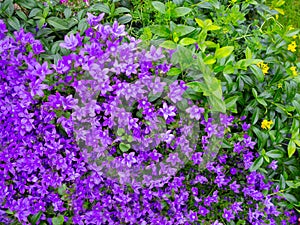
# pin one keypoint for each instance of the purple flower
(227, 214)
(193, 216)
(94, 20)
(248, 142)
(195, 112)
(71, 42)
(273, 165)
(168, 111)
(37, 88)
(203, 211)
(197, 158)
(236, 207)
(246, 126)
(173, 159)
(129, 159)
(118, 30)
(176, 92)
(157, 86)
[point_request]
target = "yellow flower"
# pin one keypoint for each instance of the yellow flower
(292, 46)
(266, 124)
(279, 85)
(295, 36)
(276, 16)
(294, 70)
(264, 67)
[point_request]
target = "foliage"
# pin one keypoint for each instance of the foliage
(233, 57)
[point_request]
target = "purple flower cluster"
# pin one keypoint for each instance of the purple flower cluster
(59, 151)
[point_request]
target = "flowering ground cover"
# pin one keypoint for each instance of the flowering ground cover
(153, 112)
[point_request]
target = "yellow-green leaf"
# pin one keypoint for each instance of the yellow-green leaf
(291, 148)
(224, 52)
(187, 41)
(200, 23)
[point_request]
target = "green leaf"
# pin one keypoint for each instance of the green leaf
(224, 52)
(296, 105)
(35, 218)
(213, 27)
(22, 15)
(209, 60)
(14, 23)
(125, 19)
(282, 182)
(231, 101)
(44, 32)
(257, 72)
(57, 23)
(200, 22)
(82, 26)
(120, 131)
(174, 71)
(67, 13)
(248, 53)
(45, 12)
(28, 4)
(291, 148)
(59, 220)
(182, 30)
(244, 63)
(197, 86)
(8, 7)
(159, 6)
(257, 164)
(121, 10)
(160, 30)
(290, 198)
(124, 147)
(100, 7)
(181, 11)
(183, 56)
(275, 154)
(261, 101)
(168, 44)
(187, 41)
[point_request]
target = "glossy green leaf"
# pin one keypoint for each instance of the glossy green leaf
(100, 7)
(291, 148)
(14, 23)
(275, 154)
(159, 6)
(121, 10)
(257, 72)
(182, 30)
(57, 23)
(257, 164)
(124, 147)
(160, 30)
(35, 12)
(174, 71)
(125, 19)
(67, 13)
(35, 218)
(209, 60)
(187, 41)
(168, 44)
(59, 220)
(248, 53)
(223, 52)
(181, 11)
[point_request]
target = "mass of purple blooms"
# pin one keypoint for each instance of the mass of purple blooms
(104, 136)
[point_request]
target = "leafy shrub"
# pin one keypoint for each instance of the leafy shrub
(46, 176)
